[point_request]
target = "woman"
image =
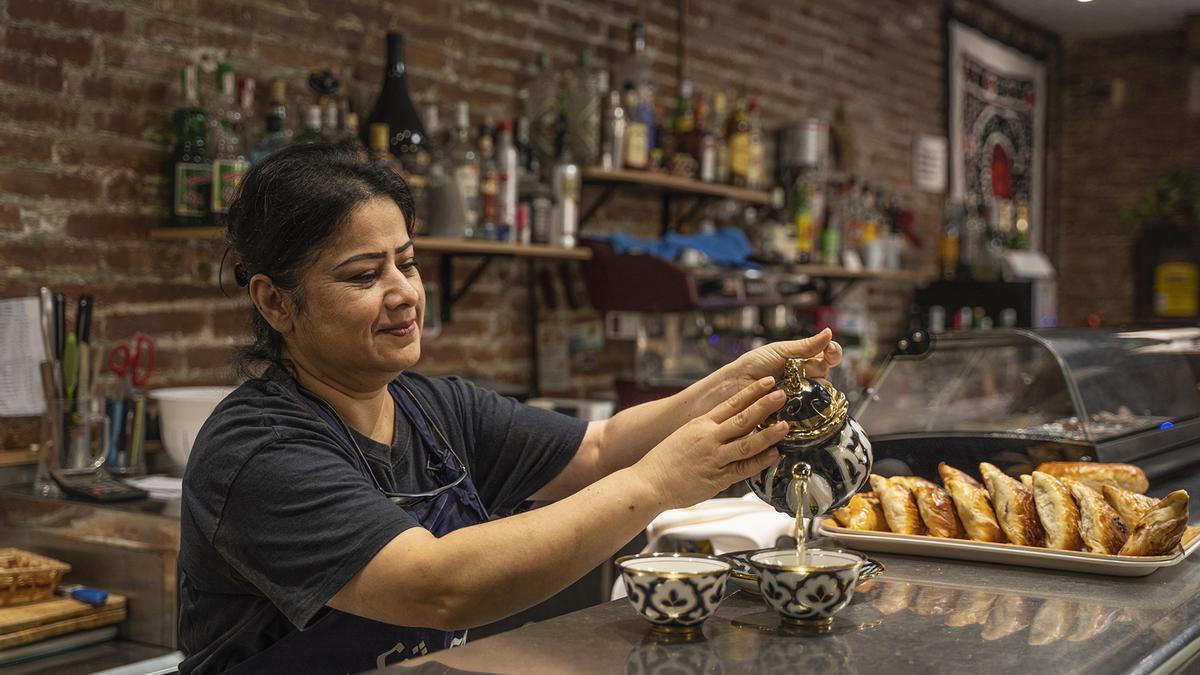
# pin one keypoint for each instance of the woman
(339, 511)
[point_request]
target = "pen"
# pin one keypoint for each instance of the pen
(60, 324)
(83, 318)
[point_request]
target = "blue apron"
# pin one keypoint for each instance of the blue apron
(337, 642)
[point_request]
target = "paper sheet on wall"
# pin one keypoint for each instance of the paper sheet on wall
(21, 353)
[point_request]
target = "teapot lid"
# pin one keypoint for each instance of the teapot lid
(814, 410)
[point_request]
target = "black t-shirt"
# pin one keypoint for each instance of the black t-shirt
(276, 517)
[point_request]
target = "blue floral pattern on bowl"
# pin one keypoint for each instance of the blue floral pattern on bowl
(675, 592)
(812, 592)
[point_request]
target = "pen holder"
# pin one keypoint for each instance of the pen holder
(126, 450)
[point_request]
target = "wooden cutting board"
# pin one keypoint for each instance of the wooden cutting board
(24, 624)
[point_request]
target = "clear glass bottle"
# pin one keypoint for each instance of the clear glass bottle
(230, 160)
(312, 125)
(585, 100)
(465, 159)
(612, 150)
(564, 225)
(542, 109)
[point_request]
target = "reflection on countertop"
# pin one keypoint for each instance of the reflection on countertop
(921, 616)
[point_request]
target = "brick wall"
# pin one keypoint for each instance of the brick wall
(86, 89)
(1110, 156)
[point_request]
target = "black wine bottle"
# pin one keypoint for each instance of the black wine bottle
(408, 141)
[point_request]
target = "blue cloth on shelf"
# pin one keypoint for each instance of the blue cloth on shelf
(726, 246)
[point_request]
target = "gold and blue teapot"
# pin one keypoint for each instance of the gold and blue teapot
(823, 435)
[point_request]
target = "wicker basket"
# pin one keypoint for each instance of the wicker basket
(28, 577)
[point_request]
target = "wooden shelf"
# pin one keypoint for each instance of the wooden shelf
(838, 272)
(454, 246)
(675, 184)
(472, 247)
(187, 233)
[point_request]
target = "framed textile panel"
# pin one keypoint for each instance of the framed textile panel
(997, 97)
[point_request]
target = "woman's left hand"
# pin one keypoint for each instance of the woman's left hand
(820, 350)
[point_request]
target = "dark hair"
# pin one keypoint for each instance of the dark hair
(287, 208)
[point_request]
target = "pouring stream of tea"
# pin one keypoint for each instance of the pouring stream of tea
(801, 472)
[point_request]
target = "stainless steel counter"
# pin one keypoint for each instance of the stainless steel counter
(922, 616)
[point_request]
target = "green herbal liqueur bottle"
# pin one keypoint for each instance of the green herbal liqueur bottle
(230, 156)
(191, 165)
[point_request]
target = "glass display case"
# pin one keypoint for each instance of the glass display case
(1019, 397)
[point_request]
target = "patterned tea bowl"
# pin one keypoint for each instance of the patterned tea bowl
(675, 592)
(809, 592)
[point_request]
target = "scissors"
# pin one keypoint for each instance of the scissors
(133, 361)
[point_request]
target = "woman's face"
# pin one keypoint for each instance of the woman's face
(364, 304)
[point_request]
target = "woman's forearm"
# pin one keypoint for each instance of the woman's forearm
(485, 572)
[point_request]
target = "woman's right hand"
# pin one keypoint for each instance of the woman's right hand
(717, 449)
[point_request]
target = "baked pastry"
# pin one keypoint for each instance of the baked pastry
(899, 505)
(1096, 474)
(1057, 512)
(862, 513)
(1129, 505)
(1027, 480)
(973, 509)
(1052, 622)
(1159, 530)
(1100, 527)
(937, 511)
(947, 472)
(1015, 510)
(971, 609)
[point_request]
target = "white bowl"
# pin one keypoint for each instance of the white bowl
(182, 411)
(807, 592)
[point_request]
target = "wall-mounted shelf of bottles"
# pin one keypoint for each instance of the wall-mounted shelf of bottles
(669, 187)
(431, 244)
(675, 184)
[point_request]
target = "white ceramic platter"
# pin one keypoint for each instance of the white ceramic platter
(1011, 554)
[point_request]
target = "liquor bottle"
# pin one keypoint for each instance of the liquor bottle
(312, 125)
(506, 162)
(564, 224)
(637, 131)
(704, 145)
(465, 159)
(330, 133)
(721, 139)
(585, 100)
(229, 149)
(350, 131)
(191, 164)
(802, 220)
(738, 132)
(489, 184)
(636, 68)
(380, 149)
(680, 148)
(831, 237)
(1020, 240)
(541, 109)
(949, 245)
(612, 151)
(756, 160)
(408, 141)
(445, 211)
(276, 135)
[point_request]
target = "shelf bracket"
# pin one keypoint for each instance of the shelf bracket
(600, 201)
(451, 296)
